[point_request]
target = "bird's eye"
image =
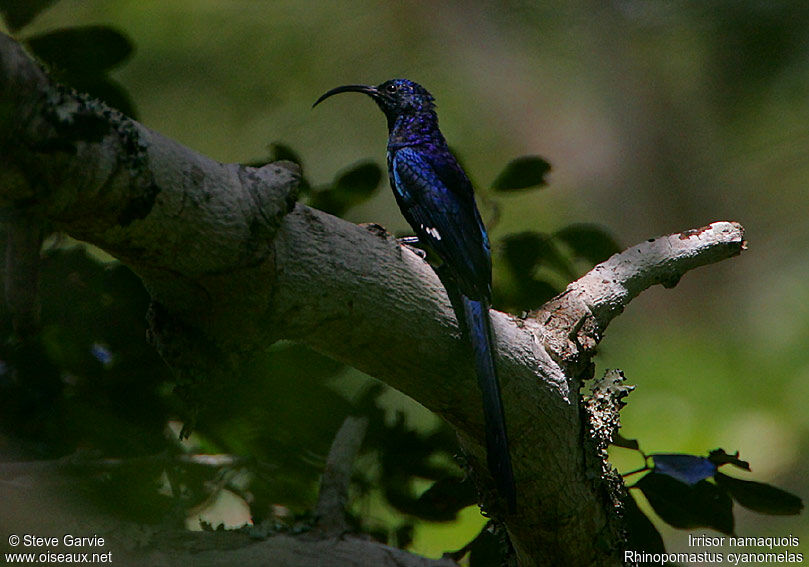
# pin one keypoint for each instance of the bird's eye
(391, 88)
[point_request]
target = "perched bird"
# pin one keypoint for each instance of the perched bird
(436, 198)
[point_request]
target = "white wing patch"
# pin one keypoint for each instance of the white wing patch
(431, 231)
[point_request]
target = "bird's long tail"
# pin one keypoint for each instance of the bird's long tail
(479, 330)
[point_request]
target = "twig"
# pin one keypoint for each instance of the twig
(574, 321)
(331, 503)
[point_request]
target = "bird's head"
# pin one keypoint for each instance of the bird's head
(395, 97)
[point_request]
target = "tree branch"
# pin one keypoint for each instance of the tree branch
(233, 263)
(135, 545)
(591, 302)
(333, 496)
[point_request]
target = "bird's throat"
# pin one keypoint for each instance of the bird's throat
(414, 129)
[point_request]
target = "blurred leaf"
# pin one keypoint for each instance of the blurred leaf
(105, 89)
(282, 152)
(588, 241)
(689, 469)
(620, 441)
(642, 532)
(755, 44)
(81, 57)
(327, 202)
(404, 535)
(359, 183)
(760, 497)
(719, 458)
(521, 173)
(486, 549)
(351, 188)
(523, 251)
(683, 506)
(85, 50)
(130, 491)
(282, 413)
(19, 13)
(405, 455)
(64, 395)
(448, 496)
(539, 291)
(526, 294)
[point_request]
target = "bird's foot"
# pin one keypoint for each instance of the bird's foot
(412, 243)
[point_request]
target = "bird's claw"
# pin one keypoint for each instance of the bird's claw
(412, 242)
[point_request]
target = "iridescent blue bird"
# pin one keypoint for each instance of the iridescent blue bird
(436, 198)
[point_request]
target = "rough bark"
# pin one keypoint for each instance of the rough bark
(233, 263)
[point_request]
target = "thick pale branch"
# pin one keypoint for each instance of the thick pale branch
(194, 229)
(227, 256)
(589, 304)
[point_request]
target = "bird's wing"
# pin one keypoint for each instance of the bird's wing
(436, 199)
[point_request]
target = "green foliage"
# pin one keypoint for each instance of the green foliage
(446, 497)
(588, 242)
(82, 50)
(18, 14)
(486, 549)
(641, 532)
(91, 387)
(540, 265)
(522, 173)
(350, 188)
(760, 497)
(80, 57)
(62, 391)
(679, 490)
(684, 506)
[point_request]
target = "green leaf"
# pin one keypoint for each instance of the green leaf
(719, 458)
(683, 506)
(81, 57)
(524, 294)
(350, 188)
(359, 183)
(536, 293)
(448, 496)
(620, 441)
(282, 152)
(642, 533)
(86, 50)
(105, 89)
(760, 497)
(522, 173)
(588, 241)
(486, 549)
(525, 251)
(19, 13)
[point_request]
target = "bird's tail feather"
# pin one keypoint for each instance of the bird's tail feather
(478, 327)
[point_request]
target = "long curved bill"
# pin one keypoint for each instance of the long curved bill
(370, 91)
